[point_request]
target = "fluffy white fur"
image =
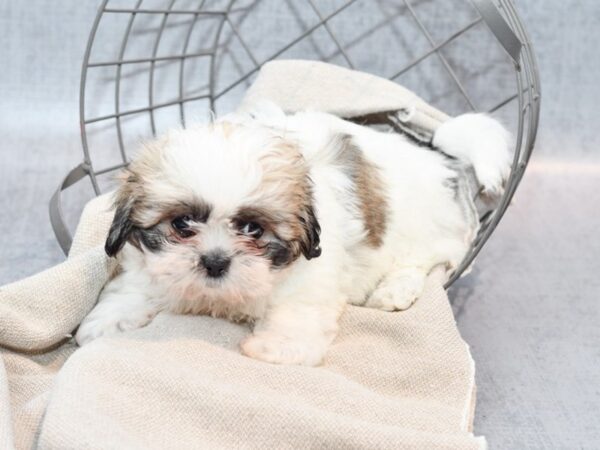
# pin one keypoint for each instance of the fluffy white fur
(295, 309)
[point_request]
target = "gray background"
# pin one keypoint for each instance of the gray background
(530, 308)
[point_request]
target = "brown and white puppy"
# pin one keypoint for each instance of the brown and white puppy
(283, 220)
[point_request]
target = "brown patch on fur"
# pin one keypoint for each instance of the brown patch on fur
(147, 211)
(368, 188)
(136, 210)
(285, 198)
(131, 194)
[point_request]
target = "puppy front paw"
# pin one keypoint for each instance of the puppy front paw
(108, 321)
(278, 349)
(399, 292)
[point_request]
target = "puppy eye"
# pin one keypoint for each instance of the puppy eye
(182, 226)
(251, 229)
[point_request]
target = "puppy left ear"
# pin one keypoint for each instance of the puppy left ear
(122, 226)
(311, 244)
(120, 229)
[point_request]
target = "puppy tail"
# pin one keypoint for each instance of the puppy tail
(481, 142)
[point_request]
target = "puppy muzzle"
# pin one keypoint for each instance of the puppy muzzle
(215, 263)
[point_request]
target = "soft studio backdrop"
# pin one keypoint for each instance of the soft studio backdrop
(529, 309)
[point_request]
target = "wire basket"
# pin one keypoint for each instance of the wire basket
(150, 65)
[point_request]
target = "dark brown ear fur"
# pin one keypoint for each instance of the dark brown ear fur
(310, 244)
(122, 225)
(120, 230)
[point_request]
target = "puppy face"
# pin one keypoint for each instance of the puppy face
(216, 211)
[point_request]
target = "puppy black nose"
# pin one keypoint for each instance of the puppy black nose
(215, 263)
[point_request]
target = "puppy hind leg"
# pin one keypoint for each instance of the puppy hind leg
(398, 289)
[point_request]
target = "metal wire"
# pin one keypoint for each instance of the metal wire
(118, 115)
(528, 95)
(285, 48)
(525, 97)
(137, 10)
(153, 66)
(444, 61)
(130, 112)
(436, 48)
(186, 44)
(331, 34)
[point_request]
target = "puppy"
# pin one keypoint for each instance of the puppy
(283, 220)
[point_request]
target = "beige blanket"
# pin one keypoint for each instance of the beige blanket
(390, 380)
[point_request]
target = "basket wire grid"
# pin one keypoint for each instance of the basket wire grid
(218, 44)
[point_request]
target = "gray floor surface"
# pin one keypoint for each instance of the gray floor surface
(530, 309)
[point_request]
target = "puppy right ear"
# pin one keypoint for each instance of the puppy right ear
(311, 244)
(120, 228)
